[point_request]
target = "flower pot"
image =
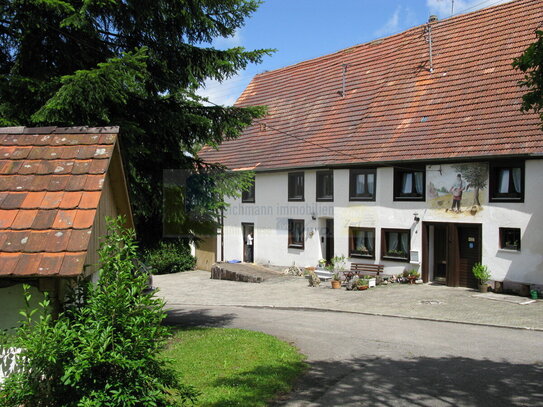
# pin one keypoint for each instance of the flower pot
(483, 288)
(336, 284)
(362, 287)
(372, 282)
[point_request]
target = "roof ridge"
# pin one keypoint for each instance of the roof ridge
(376, 41)
(60, 130)
(491, 8)
(393, 108)
(379, 40)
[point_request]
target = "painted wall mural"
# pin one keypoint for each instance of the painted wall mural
(457, 188)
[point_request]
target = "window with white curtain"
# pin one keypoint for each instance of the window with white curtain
(362, 184)
(362, 242)
(409, 184)
(507, 182)
(395, 244)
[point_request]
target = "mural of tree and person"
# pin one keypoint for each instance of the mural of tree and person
(457, 188)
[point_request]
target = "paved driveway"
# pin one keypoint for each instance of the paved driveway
(366, 360)
(424, 301)
(357, 358)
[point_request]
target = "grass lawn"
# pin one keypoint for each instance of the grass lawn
(233, 367)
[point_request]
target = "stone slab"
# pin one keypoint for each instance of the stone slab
(514, 299)
(242, 272)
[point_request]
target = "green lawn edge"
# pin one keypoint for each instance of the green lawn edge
(234, 367)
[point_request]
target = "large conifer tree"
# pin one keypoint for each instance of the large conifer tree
(132, 63)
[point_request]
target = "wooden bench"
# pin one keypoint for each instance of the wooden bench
(362, 269)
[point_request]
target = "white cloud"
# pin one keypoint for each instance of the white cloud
(402, 18)
(227, 92)
(391, 25)
(235, 40)
(443, 7)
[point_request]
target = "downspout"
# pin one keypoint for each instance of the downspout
(222, 235)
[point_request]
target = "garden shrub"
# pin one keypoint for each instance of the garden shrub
(170, 257)
(103, 349)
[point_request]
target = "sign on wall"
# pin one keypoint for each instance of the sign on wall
(457, 188)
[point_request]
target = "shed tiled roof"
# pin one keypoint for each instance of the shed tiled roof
(51, 181)
(395, 109)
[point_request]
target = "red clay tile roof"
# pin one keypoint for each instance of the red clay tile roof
(50, 184)
(394, 108)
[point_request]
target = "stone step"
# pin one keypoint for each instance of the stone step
(243, 272)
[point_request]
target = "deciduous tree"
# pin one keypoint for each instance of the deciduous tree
(531, 63)
(104, 349)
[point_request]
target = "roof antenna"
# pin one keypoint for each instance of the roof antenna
(432, 19)
(343, 80)
(452, 8)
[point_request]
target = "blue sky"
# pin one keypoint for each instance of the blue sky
(305, 29)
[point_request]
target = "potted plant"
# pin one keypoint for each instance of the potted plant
(363, 250)
(362, 284)
(322, 263)
(400, 254)
(482, 274)
(511, 245)
(336, 281)
(372, 281)
(412, 276)
(338, 263)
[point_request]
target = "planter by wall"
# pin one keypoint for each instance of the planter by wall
(483, 288)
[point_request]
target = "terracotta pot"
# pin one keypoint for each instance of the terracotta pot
(483, 288)
(362, 287)
(336, 284)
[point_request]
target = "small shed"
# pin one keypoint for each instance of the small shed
(57, 186)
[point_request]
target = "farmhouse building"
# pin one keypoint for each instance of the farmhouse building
(409, 151)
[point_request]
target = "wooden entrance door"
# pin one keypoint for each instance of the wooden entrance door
(469, 249)
(456, 248)
(440, 245)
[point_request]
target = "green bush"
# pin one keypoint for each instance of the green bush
(103, 349)
(170, 257)
(481, 273)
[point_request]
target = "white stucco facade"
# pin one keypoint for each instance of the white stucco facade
(272, 209)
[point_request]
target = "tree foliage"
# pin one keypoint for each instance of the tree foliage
(132, 63)
(531, 63)
(186, 200)
(102, 351)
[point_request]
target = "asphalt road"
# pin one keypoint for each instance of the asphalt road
(366, 360)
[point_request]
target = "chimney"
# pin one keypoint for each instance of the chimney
(433, 18)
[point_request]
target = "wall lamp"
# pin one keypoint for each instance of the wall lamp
(416, 217)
